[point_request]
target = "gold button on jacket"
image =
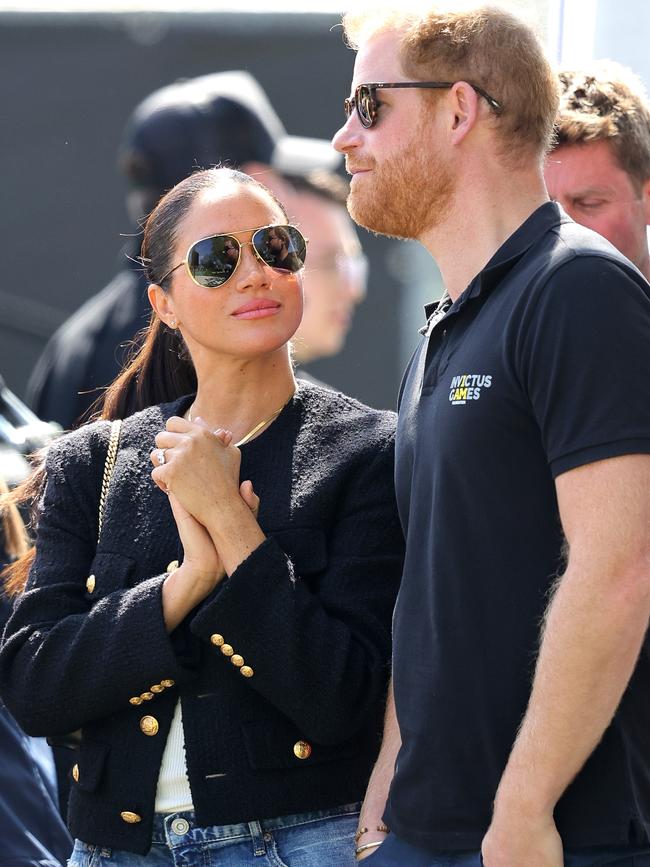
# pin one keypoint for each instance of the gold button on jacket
(227, 650)
(217, 639)
(149, 726)
(157, 687)
(167, 683)
(130, 818)
(135, 700)
(246, 670)
(302, 750)
(75, 773)
(146, 696)
(237, 660)
(90, 583)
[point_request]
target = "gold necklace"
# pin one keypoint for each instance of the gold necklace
(258, 427)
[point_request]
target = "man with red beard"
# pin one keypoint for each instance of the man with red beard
(516, 730)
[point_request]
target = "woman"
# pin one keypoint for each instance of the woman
(231, 706)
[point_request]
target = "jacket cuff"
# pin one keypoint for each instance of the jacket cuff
(235, 600)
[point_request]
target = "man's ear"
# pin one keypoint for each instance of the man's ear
(465, 108)
(162, 303)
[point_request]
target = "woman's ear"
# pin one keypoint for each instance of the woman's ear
(162, 303)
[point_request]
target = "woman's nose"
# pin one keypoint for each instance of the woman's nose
(252, 271)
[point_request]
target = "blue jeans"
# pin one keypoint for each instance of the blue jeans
(325, 837)
(396, 853)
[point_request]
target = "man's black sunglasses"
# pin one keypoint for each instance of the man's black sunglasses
(365, 100)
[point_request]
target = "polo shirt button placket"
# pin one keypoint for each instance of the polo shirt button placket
(433, 363)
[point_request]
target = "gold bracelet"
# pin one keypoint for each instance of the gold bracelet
(384, 829)
(365, 846)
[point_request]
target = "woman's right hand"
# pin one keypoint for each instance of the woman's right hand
(201, 570)
(200, 558)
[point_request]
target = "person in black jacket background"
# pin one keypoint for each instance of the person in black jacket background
(230, 705)
(33, 833)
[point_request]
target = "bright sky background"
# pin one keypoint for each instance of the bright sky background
(567, 25)
(171, 6)
(334, 6)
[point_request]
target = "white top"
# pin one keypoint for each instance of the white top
(173, 793)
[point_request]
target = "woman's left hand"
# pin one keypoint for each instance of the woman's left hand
(201, 467)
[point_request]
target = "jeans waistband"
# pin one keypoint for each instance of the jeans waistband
(166, 825)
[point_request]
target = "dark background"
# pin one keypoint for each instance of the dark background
(69, 82)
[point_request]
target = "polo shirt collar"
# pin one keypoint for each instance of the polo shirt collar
(545, 217)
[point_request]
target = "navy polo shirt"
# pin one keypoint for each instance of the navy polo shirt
(540, 366)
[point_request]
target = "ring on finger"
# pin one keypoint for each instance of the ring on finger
(160, 456)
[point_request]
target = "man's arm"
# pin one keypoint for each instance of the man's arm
(374, 803)
(594, 628)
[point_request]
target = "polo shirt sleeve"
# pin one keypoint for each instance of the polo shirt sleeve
(584, 361)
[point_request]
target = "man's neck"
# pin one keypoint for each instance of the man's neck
(482, 217)
(644, 267)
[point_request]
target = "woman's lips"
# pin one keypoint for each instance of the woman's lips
(257, 309)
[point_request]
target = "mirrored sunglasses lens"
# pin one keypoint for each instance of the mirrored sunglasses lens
(366, 105)
(281, 247)
(212, 261)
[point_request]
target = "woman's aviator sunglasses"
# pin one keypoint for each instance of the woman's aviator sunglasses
(366, 104)
(212, 261)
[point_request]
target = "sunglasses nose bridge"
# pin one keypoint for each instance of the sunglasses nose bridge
(251, 267)
(257, 257)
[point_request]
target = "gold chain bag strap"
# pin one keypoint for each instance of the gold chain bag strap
(73, 740)
(109, 466)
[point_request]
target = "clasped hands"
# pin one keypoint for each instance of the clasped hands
(199, 470)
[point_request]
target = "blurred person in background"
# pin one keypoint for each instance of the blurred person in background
(33, 833)
(21, 434)
(599, 170)
(222, 118)
(335, 276)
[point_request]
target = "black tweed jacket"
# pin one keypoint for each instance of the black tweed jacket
(296, 725)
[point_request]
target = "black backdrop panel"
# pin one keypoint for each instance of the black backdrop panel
(68, 83)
